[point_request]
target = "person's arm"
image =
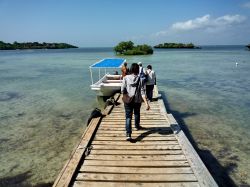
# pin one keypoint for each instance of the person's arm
(123, 87)
(123, 71)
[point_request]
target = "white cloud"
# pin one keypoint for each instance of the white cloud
(192, 24)
(207, 22)
(246, 5)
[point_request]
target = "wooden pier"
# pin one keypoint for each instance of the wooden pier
(159, 155)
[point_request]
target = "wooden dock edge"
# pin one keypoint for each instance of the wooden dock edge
(201, 172)
(66, 174)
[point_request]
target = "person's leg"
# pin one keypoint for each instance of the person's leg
(151, 88)
(147, 91)
(128, 115)
(137, 107)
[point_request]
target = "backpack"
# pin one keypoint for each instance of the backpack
(143, 76)
(94, 114)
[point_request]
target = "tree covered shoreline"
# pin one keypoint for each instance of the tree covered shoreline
(128, 48)
(176, 46)
(34, 45)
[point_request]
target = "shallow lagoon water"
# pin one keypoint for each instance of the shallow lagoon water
(45, 101)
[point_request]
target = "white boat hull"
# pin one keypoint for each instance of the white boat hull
(108, 85)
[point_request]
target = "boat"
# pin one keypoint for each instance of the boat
(248, 46)
(111, 81)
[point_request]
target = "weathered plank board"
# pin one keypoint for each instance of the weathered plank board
(137, 147)
(121, 134)
(134, 184)
(122, 142)
(137, 170)
(146, 138)
(144, 127)
(153, 163)
(137, 152)
(138, 177)
(136, 157)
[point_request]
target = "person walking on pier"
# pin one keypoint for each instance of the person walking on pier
(134, 89)
(151, 81)
(142, 73)
(124, 69)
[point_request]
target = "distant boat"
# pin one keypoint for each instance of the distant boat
(248, 46)
(111, 82)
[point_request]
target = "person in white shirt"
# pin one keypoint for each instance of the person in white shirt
(133, 86)
(151, 81)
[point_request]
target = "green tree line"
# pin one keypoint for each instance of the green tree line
(175, 45)
(34, 45)
(128, 48)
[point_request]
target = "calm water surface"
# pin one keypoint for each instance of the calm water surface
(45, 101)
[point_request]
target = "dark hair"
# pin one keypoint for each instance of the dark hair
(134, 69)
(149, 67)
(125, 63)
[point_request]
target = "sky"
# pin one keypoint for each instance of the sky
(105, 23)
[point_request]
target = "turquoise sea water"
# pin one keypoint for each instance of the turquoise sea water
(45, 101)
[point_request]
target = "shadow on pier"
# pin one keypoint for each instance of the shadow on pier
(219, 173)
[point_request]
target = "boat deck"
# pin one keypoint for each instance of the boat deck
(159, 155)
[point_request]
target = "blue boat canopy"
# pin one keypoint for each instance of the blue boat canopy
(109, 63)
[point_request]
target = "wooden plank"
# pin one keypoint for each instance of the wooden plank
(113, 123)
(142, 117)
(134, 184)
(138, 177)
(143, 111)
(136, 163)
(122, 119)
(145, 138)
(144, 128)
(136, 152)
(143, 108)
(136, 170)
(136, 157)
(137, 147)
(122, 134)
(172, 142)
(153, 108)
(148, 112)
(142, 123)
(138, 133)
(154, 105)
(152, 113)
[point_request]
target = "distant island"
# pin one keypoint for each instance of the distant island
(177, 46)
(34, 45)
(128, 48)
